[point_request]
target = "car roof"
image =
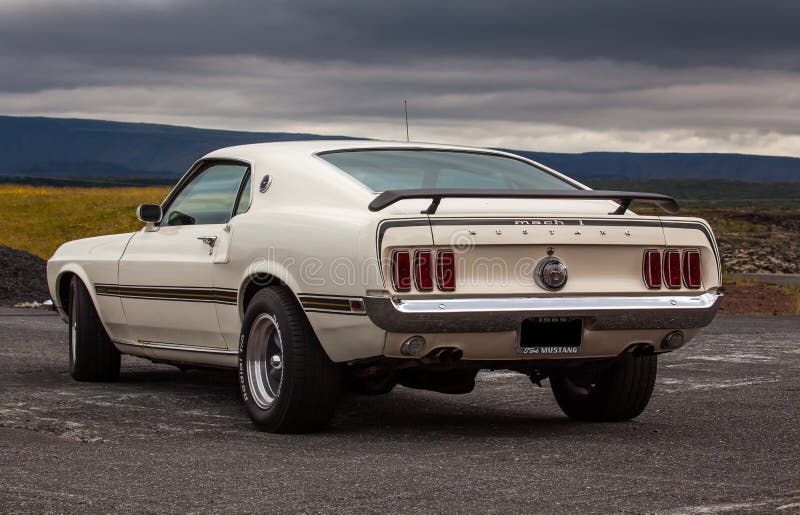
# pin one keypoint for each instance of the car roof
(310, 147)
(287, 154)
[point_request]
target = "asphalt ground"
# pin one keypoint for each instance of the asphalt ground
(722, 433)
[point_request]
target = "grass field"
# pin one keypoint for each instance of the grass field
(40, 218)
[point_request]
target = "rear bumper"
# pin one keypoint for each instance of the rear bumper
(506, 314)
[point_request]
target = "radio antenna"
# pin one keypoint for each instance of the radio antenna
(405, 104)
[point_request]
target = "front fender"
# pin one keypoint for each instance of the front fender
(93, 261)
(59, 287)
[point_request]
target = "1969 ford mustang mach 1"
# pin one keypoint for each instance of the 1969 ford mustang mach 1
(313, 267)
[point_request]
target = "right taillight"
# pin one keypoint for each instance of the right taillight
(445, 270)
(401, 270)
(672, 268)
(691, 269)
(652, 268)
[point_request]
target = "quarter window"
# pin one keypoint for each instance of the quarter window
(209, 198)
(243, 202)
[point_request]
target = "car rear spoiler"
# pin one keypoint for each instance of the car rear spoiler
(624, 198)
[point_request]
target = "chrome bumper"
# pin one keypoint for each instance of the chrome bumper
(506, 314)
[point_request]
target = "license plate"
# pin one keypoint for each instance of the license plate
(551, 335)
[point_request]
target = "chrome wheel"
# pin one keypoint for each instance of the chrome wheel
(73, 341)
(264, 360)
(73, 334)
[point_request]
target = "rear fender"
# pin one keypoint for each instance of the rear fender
(265, 273)
(696, 233)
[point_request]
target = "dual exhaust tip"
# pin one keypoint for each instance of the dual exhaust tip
(673, 340)
(415, 345)
(448, 354)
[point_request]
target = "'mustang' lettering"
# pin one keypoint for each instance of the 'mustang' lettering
(551, 350)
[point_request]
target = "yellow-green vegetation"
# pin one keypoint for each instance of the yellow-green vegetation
(753, 297)
(40, 218)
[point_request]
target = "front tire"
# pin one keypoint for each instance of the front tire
(288, 383)
(608, 394)
(92, 356)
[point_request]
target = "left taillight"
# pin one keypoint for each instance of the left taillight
(401, 270)
(423, 269)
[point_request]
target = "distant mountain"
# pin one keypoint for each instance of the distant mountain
(53, 147)
(56, 147)
(626, 165)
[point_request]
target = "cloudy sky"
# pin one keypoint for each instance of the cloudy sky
(565, 75)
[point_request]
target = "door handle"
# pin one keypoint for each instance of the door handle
(210, 241)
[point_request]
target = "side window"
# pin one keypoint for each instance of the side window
(243, 202)
(209, 198)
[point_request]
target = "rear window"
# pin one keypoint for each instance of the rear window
(382, 170)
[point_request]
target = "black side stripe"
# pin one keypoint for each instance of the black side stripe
(332, 304)
(183, 294)
(311, 302)
(706, 231)
(385, 225)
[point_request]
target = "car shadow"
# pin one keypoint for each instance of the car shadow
(399, 414)
(404, 411)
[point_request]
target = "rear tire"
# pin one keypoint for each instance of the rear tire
(92, 356)
(288, 383)
(607, 394)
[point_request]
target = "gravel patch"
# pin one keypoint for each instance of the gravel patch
(22, 277)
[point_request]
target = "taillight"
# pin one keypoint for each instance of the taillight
(691, 268)
(446, 270)
(423, 270)
(672, 268)
(401, 270)
(652, 268)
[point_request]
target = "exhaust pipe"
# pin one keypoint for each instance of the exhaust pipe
(642, 349)
(448, 354)
(673, 340)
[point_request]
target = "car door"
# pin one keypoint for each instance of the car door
(165, 274)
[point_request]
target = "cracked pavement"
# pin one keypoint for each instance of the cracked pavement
(721, 434)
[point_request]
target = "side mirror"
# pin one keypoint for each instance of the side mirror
(149, 213)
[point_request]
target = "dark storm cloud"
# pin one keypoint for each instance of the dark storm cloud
(678, 33)
(564, 76)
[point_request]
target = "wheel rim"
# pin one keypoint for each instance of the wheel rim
(73, 335)
(264, 360)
